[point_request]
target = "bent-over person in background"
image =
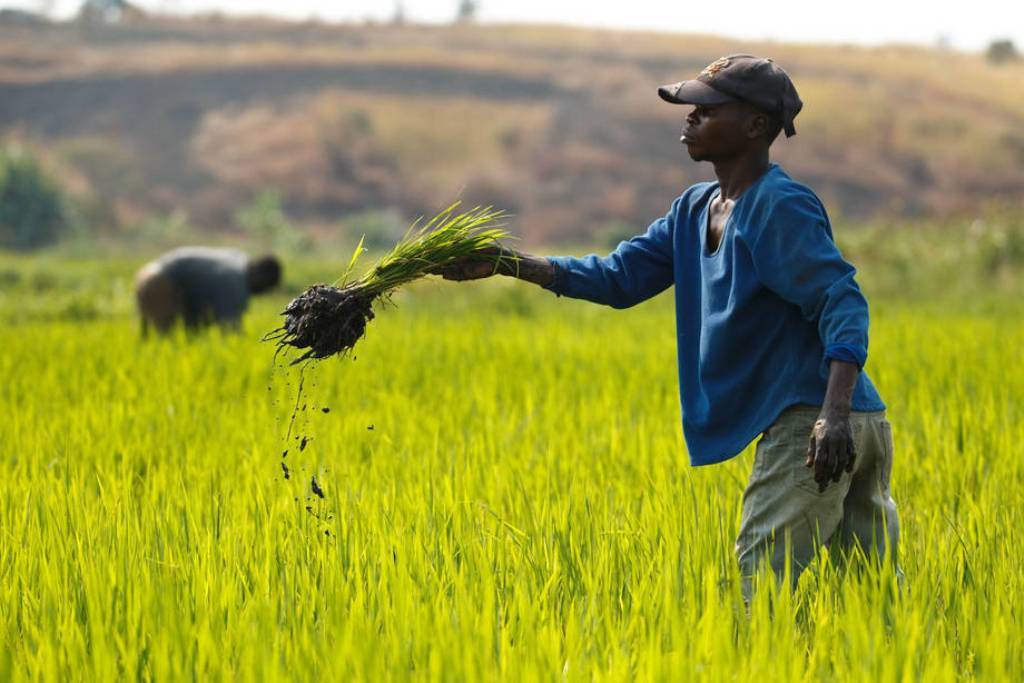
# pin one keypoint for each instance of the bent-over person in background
(772, 328)
(198, 286)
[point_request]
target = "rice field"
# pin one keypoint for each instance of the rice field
(506, 497)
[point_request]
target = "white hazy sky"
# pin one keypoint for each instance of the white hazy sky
(967, 25)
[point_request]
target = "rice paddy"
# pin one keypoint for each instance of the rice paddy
(506, 495)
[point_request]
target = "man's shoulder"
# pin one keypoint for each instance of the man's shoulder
(693, 198)
(776, 190)
(697, 192)
(779, 202)
(780, 193)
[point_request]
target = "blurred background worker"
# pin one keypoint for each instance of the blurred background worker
(201, 285)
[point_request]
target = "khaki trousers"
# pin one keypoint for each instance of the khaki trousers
(783, 510)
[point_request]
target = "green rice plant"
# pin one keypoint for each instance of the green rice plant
(326, 320)
(507, 498)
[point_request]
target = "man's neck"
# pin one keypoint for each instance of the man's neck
(737, 174)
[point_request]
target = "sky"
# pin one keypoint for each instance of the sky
(959, 24)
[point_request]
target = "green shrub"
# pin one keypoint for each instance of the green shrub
(32, 209)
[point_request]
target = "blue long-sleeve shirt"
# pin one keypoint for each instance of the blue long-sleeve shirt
(758, 320)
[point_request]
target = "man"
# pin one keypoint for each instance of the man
(201, 285)
(772, 327)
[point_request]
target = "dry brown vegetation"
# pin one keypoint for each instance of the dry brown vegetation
(560, 126)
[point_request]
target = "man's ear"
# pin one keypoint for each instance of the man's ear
(757, 125)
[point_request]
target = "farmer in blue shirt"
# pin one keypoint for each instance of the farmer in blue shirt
(772, 327)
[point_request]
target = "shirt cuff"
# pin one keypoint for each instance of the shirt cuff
(557, 284)
(849, 353)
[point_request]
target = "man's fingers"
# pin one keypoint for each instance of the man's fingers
(839, 462)
(822, 466)
(466, 271)
(473, 266)
(830, 451)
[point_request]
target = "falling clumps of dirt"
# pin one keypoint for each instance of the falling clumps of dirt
(328, 320)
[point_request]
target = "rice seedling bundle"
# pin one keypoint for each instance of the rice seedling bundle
(328, 320)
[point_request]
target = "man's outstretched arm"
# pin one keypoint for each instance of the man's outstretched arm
(638, 269)
(535, 269)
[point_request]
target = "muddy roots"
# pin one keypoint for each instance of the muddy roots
(324, 321)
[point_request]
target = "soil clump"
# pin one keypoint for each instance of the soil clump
(324, 321)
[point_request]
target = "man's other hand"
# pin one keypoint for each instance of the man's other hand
(830, 451)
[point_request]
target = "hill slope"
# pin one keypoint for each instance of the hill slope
(560, 125)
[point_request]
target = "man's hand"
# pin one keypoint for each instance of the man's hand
(482, 263)
(831, 451)
(479, 264)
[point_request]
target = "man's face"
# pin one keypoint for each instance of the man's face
(720, 132)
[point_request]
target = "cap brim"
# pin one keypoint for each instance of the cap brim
(693, 92)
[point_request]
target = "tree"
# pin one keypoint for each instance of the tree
(1001, 51)
(467, 11)
(32, 210)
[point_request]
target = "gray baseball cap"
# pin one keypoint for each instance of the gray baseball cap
(741, 78)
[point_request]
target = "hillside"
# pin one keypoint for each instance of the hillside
(562, 126)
